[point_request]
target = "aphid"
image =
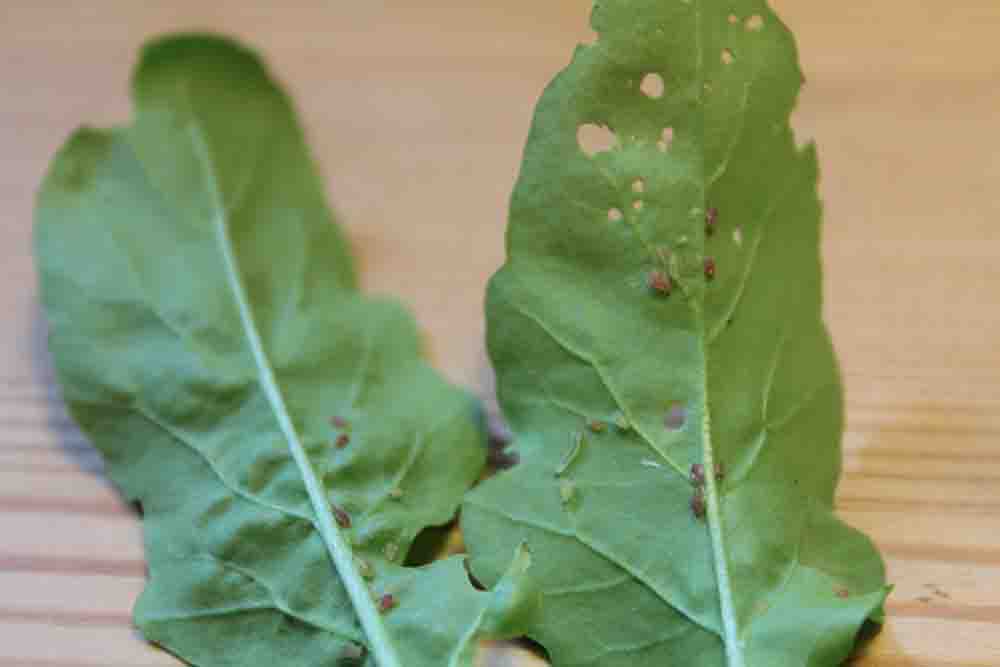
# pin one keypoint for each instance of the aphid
(711, 217)
(659, 282)
(843, 593)
(709, 268)
(567, 491)
(676, 416)
(698, 474)
(342, 441)
(352, 654)
(622, 422)
(571, 455)
(365, 568)
(339, 422)
(342, 517)
(501, 459)
(391, 550)
(387, 603)
(698, 503)
(597, 426)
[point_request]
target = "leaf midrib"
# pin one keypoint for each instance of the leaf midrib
(713, 517)
(338, 548)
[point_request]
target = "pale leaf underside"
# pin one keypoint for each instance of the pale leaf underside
(662, 296)
(283, 436)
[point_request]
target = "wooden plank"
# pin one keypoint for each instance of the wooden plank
(934, 642)
(38, 644)
(72, 598)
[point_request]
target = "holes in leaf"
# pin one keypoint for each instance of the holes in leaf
(615, 215)
(430, 544)
(755, 23)
(652, 86)
(727, 57)
(638, 186)
(594, 139)
(666, 139)
(676, 416)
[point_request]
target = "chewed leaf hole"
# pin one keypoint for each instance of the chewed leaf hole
(615, 215)
(727, 57)
(676, 416)
(653, 86)
(755, 23)
(594, 139)
(666, 139)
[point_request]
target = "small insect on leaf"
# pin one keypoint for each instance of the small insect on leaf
(720, 471)
(365, 568)
(676, 416)
(342, 441)
(597, 426)
(843, 593)
(659, 282)
(500, 458)
(711, 218)
(709, 268)
(698, 503)
(387, 603)
(567, 491)
(351, 655)
(698, 474)
(571, 454)
(342, 517)
(622, 422)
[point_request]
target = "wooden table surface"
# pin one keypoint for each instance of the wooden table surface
(418, 112)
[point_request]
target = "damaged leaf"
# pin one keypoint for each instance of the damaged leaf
(701, 186)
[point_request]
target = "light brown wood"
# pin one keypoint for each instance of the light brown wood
(418, 112)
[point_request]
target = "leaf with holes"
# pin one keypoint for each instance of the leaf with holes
(281, 433)
(666, 281)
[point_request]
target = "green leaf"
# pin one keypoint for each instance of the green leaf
(210, 340)
(663, 293)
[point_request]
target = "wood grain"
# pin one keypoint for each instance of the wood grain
(418, 112)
